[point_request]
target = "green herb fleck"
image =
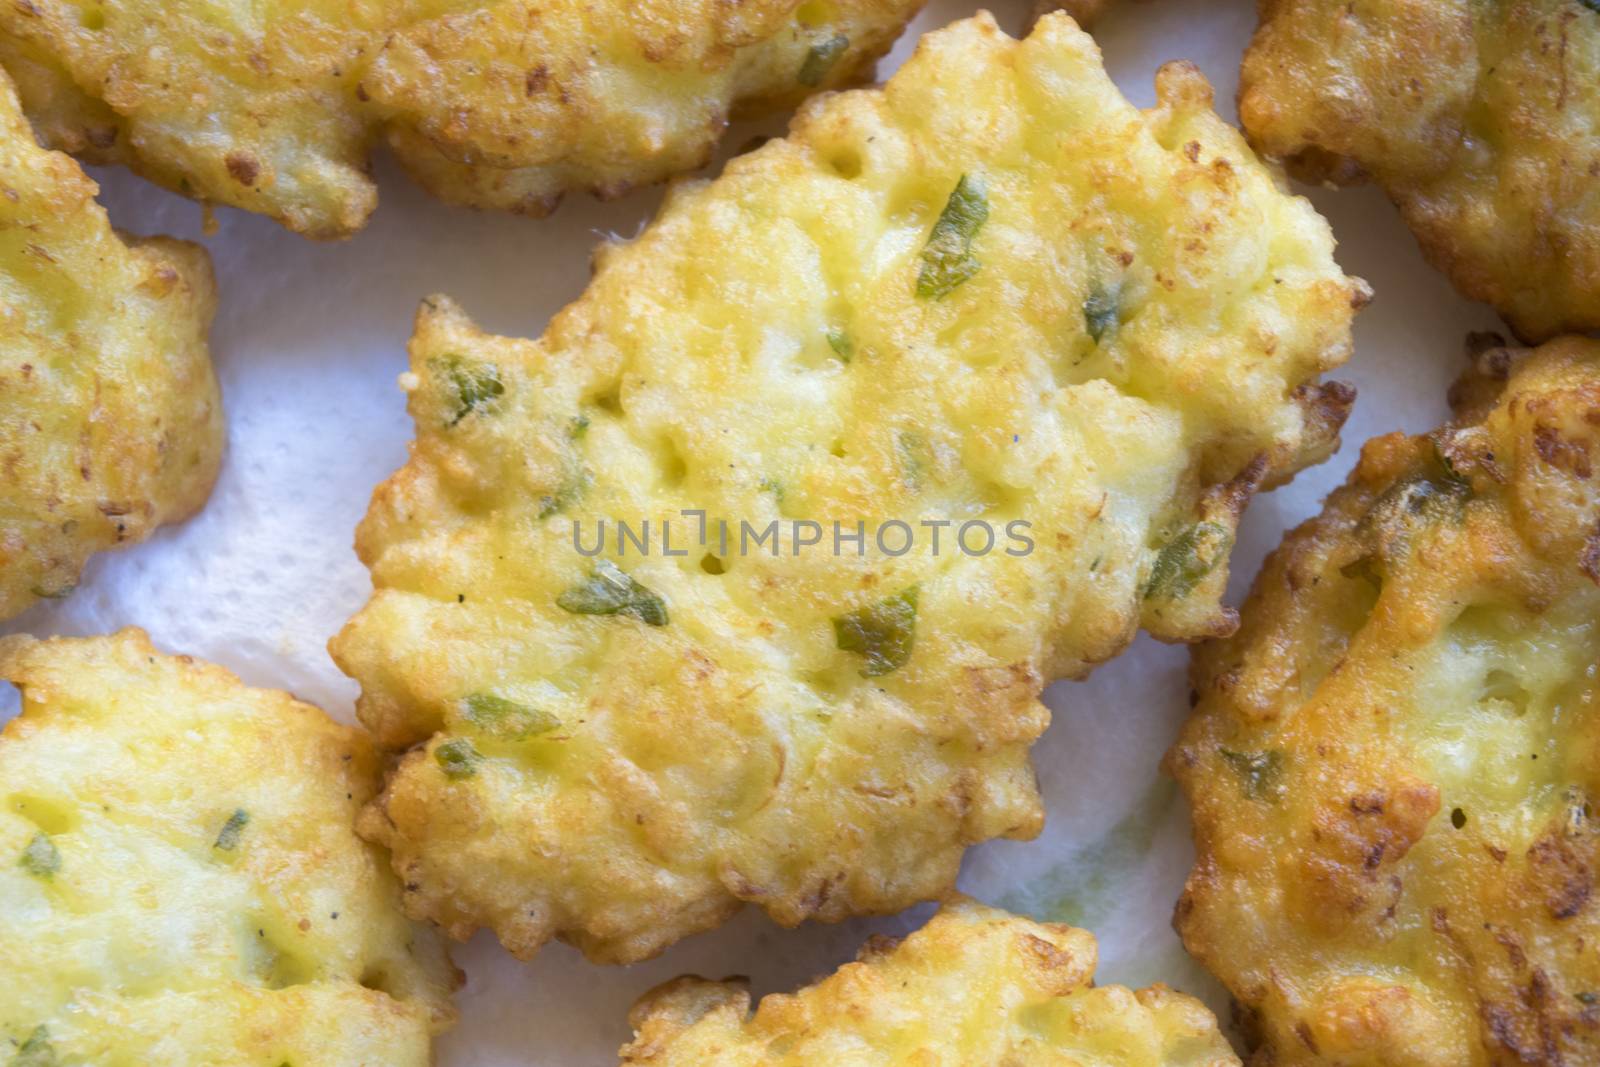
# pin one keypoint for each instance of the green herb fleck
(36, 1051)
(228, 838)
(1187, 559)
(882, 633)
(1100, 311)
(569, 493)
(1587, 998)
(458, 758)
(915, 455)
(578, 427)
(1261, 772)
(821, 58)
(508, 718)
(59, 593)
(1592, 5)
(773, 486)
(1424, 498)
(476, 385)
(40, 858)
(610, 591)
(947, 260)
(1458, 818)
(841, 344)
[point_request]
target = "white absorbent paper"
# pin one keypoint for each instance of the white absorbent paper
(309, 341)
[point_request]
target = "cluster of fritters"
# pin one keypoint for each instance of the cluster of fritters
(990, 289)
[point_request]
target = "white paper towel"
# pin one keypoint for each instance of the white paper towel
(309, 341)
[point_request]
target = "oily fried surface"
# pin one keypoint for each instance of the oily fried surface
(820, 733)
(1480, 120)
(272, 106)
(1393, 764)
(110, 420)
(179, 879)
(975, 987)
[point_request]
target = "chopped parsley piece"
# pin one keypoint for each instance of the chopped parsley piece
(915, 455)
(457, 758)
(570, 492)
(1188, 558)
(1592, 5)
(882, 633)
(841, 344)
(508, 718)
(476, 386)
(1100, 311)
(36, 1051)
(610, 591)
(821, 58)
(1260, 772)
(40, 858)
(228, 838)
(947, 259)
(578, 427)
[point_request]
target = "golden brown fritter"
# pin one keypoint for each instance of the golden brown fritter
(1480, 120)
(110, 420)
(992, 292)
(491, 103)
(179, 880)
(1393, 764)
(975, 987)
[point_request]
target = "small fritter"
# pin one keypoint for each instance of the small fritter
(1393, 765)
(490, 103)
(975, 987)
(179, 880)
(1480, 120)
(991, 293)
(110, 420)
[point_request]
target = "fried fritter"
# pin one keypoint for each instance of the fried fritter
(1480, 120)
(991, 292)
(491, 103)
(1393, 763)
(975, 987)
(179, 880)
(110, 420)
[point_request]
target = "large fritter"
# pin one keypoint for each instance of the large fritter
(1481, 121)
(110, 421)
(973, 988)
(1393, 765)
(493, 103)
(179, 880)
(992, 292)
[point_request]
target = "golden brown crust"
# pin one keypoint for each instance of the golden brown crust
(1392, 762)
(179, 871)
(975, 987)
(500, 104)
(762, 353)
(1480, 120)
(110, 417)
